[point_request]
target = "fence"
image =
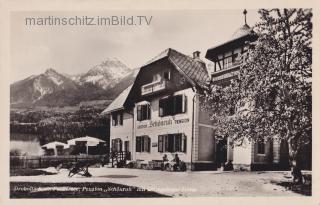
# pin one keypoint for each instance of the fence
(23, 162)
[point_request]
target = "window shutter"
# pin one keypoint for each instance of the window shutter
(184, 143)
(148, 111)
(184, 103)
(161, 107)
(149, 144)
(170, 143)
(113, 120)
(113, 145)
(139, 112)
(121, 118)
(138, 144)
(160, 143)
(170, 106)
(166, 143)
(120, 145)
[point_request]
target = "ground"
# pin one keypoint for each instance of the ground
(172, 184)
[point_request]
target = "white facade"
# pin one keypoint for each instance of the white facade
(179, 123)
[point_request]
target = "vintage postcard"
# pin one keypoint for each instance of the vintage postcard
(191, 102)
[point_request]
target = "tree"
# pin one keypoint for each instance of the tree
(272, 93)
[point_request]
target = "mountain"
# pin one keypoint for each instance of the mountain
(106, 74)
(102, 82)
(34, 88)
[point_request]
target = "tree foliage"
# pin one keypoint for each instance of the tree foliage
(60, 126)
(272, 93)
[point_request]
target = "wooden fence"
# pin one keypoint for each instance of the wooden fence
(23, 162)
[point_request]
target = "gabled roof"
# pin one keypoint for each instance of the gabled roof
(194, 69)
(118, 103)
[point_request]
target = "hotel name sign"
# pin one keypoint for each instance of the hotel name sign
(160, 123)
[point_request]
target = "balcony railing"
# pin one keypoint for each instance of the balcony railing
(154, 87)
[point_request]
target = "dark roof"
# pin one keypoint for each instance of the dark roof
(238, 38)
(242, 31)
(194, 69)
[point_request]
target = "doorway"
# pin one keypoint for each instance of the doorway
(221, 152)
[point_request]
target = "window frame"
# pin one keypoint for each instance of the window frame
(117, 119)
(172, 143)
(168, 105)
(116, 145)
(144, 144)
(141, 116)
(261, 146)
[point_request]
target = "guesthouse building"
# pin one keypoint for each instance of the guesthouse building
(160, 113)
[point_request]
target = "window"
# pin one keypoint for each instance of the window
(117, 119)
(166, 75)
(156, 77)
(227, 62)
(116, 145)
(172, 143)
(143, 112)
(143, 144)
(261, 147)
(172, 105)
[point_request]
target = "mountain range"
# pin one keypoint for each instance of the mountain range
(51, 88)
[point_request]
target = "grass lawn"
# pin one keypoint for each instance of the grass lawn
(77, 190)
(28, 172)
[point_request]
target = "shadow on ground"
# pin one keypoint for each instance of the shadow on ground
(29, 172)
(77, 190)
(304, 189)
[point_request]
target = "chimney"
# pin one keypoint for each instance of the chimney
(196, 54)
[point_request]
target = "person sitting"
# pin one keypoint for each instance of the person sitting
(228, 166)
(296, 173)
(164, 160)
(177, 162)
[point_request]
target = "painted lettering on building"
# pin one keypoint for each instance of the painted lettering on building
(160, 123)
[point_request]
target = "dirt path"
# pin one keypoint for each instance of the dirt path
(181, 184)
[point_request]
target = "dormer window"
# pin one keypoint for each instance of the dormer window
(156, 77)
(165, 75)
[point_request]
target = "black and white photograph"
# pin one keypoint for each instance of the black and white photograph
(176, 103)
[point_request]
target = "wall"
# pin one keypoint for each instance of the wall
(124, 132)
(242, 154)
(205, 135)
(206, 151)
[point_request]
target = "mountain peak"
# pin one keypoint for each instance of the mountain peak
(50, 71)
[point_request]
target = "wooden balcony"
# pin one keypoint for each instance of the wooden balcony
(154, 87)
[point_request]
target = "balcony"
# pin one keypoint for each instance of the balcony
(154, 87)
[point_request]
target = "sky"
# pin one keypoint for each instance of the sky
(71, 49)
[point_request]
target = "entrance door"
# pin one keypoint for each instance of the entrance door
(126, 146)
(127, 150)
(221, 153)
